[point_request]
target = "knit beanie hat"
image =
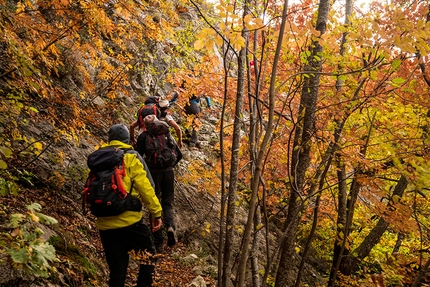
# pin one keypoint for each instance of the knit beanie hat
(119, 132)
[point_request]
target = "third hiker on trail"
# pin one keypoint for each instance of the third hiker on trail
(192, 108)
(160, 108)
(161, 154)
(150, 107)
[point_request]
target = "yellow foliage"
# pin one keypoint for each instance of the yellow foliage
(34, 217)
(38, 145)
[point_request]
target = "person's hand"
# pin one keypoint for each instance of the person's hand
(180, 144)
(156, 224)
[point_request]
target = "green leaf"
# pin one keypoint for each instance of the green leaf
(15, 219)
(46, 219)
(34, 109)
(3, 165)
(20, 256)
(34, 206)
(398, 81)
(342, 77)
(45, 252)
(6, 151)
(396, 64)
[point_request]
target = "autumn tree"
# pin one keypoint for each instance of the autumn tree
(340, 142)
(103, 50)
(323, 129)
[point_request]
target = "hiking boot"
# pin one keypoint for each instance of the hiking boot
(171, 236)
(186, 141)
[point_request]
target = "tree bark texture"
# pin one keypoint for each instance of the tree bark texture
(302, 140)
(231, 205)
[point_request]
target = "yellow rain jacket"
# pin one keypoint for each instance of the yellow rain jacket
(142, 188)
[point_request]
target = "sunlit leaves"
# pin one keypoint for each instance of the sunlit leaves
(397, 82)
(252, 23)
(207, 38)
(229, 29)
(236, 40)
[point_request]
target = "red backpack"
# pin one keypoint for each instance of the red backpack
(160, 149)
(104, 192)
(149, 108)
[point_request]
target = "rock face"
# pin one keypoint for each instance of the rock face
(199, 281)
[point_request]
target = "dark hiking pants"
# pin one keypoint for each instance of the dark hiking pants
(118, 242)
(192, 108)
(165, 191)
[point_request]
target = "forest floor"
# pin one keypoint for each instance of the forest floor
(171, 271)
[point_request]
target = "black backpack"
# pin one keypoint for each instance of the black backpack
(149, 108)
(104, 193)
(152, 100)
(161, 150)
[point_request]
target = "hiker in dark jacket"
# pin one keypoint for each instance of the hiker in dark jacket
(164, 181)
(163, 107)
(151, 102)
(193, 108)
(125, 232)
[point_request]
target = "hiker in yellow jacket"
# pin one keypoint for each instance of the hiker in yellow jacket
(127, 231)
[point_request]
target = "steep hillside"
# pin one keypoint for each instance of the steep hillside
(65, 78)
(79, 252)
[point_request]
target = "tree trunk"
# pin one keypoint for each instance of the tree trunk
(301, 147)
(308, 242)
(256, 282)
(340, 223)
(234, 167)
(223, 179)
(421, 274)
